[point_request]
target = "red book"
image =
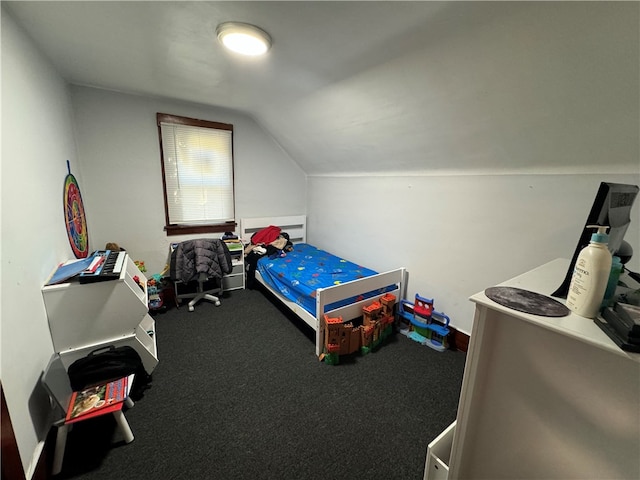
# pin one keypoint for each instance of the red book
(98, 400)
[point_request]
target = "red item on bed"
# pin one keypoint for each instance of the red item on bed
(266, 235)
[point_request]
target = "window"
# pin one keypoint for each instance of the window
(197, 174)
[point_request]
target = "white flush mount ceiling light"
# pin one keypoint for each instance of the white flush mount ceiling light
(244, 38)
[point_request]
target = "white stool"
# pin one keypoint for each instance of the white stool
(56, 382)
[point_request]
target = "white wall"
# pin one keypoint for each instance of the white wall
(119, 148)
(456, 235)
(117, 165)
(539, 106)
(487, 87)
(37, 140)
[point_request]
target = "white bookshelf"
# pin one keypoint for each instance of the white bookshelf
(84, 317)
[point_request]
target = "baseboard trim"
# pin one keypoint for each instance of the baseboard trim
(11, 463)
(458, 340)
(38, 468)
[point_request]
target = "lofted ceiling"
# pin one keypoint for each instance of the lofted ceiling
(354, 87)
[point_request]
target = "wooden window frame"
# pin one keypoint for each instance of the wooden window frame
(183, 229)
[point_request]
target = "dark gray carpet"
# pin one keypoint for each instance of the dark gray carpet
(240, 394)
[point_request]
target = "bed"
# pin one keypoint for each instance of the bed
(337, 298)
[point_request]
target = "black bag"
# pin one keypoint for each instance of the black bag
(106, 364)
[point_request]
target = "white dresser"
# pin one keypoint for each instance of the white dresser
(541, 397)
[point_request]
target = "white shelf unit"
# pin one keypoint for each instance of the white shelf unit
(84, 317)
(438, 455)
(542, 397)
(235, 280)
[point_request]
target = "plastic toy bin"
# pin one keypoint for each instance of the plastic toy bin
(438, 455)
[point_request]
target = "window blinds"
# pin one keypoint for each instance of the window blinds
(198, 168)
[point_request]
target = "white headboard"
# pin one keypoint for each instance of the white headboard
(294, 225)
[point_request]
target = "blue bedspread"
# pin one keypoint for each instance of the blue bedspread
(301, 272)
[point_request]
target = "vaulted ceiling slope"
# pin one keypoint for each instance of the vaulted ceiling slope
(380, 87)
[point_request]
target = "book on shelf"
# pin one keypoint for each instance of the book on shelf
(98, 400)
(234, 246)
(68, 270)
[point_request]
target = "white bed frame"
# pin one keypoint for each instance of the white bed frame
(296, 227)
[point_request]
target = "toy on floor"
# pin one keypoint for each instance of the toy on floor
(342, 338)
(155, 289)
(426, 326)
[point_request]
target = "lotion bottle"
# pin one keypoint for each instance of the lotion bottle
(590, 275)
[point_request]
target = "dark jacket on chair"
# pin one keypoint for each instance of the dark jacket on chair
(204, 255)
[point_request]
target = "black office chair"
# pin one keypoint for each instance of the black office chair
(203, 288)
(196, 269)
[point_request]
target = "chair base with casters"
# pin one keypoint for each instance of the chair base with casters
(206, 289)
(56, 382)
